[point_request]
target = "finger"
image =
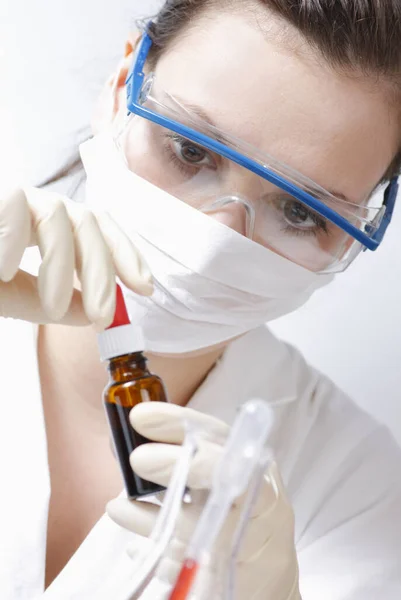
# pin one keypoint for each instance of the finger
(280, 555)
(267, 495)
(94, 267)
(270, 495)
(156, 462)
(163, 422)
(51, 224)
(15, 232)
(274, 477)
(279, 580)
(272, 517)
(19, 299)
(130, 266)
(138, 517)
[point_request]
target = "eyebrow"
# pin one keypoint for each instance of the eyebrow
(202, 114)
(340, 196)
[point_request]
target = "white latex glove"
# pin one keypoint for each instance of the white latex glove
(71, 239)
(267, 566)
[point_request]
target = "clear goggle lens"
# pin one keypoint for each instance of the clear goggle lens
(238, 197)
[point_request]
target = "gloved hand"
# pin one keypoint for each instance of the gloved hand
(70, 239)
(267, 563)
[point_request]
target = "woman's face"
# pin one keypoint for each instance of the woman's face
(268, 88)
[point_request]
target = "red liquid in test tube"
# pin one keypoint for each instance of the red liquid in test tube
(185, 580)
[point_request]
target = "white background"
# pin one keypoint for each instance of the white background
(54, 57)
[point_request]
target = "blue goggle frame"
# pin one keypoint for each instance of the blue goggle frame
(134, 85)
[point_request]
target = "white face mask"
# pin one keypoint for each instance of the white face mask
(211, 283)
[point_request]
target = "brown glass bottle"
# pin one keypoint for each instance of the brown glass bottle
(130, 383)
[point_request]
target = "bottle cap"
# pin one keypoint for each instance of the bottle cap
(122, 337)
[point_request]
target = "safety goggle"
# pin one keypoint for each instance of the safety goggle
(285, 211)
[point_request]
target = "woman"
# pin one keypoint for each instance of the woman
(298, 124)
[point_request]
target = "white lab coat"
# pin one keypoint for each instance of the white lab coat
(342, 472)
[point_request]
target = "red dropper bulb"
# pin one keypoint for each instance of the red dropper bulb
(121, 314)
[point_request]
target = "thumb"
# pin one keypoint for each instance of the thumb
(138, 517)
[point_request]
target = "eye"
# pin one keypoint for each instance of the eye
(190, 153)
(297, 214)
(300, 218)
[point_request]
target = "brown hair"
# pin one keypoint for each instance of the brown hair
(354, 35)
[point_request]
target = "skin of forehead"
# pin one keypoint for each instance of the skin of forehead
(338, 130)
